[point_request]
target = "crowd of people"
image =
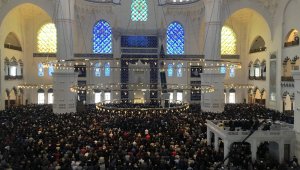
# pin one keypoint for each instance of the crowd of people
(32, 137)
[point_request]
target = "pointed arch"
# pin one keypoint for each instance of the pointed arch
(179, 70)
(175, 38)
(170, 70)
(139, 10)
(292, 38)
(97, 70)
(228, 41)
(40, 70)
(47, 39)
(12, 42)
(102, 38)
(107, 69)
(258, 45)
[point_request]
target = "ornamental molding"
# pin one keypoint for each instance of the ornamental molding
(84, 7)
(194, 11)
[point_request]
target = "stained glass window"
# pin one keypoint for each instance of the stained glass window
(47, 39)
(97, 70)
(175, 38)
(170, 70)
(228, 41)
(179, 70)
(40, 70)
(139, 10)
(51, 70)
(232, 72)
(223, 70)
(107, 69)
(102, 38)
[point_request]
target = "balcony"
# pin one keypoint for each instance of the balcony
(287, 83)
(287, 78)
(258, 50)
(291, 44)
(8, 77)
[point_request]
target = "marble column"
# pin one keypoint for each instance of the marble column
(227, 145)
(213, 102)
(296, 76)
(63, 79)
(281, 151)
(253, 150)
(208, 136)
(216, 144)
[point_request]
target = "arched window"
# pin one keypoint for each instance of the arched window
(20, 68)
(40, 70)
(170, 70)
(97, 70)
(139, 10)
(41, 96)
(231, 96)
(107, 97)
(257, 70)
(175, 38)
(102, 38)
(171, 97)
(179, 70)
(13, 65)
(107, 69)
(98, 97)
(232, 72)
(50, 96)
(222, 69)
(228, 41)
(51, 69)
(47, 39)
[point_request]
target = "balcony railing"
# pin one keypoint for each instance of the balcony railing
(258, 50)
(291, 43)
(12, 47)
(285, 78)
(8, 77)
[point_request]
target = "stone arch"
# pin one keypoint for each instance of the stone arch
(291, 38)
(257, 7)
(46, 5)
(258, 45)
(12, 42)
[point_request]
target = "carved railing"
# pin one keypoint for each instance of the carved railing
(291, 43)
(258, 50)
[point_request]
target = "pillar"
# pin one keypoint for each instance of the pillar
(64, 99)
(65, 29)
(216, 144)
(208, 136)
(213, 102)
(253, 150)
(283, 104)
(281, 151)
(227, 145)
(292, 104)
(296, 76)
